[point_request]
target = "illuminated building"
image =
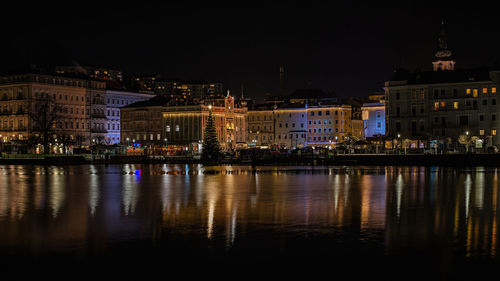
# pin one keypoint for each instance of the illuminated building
(444, 104)
(185, 124)
(81, 118)
(162, 121)
(176, 88)
(298, 125)
(373, 119)
(97, 72)
(115, 99)
(328, 124)
(141, 122)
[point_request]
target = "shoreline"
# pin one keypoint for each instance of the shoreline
(460, 160)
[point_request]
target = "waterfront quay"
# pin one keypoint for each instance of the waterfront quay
(461, 159)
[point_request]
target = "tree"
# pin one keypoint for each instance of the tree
(211, 149)
(45, 114)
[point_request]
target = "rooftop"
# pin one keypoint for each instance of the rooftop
(437, 77)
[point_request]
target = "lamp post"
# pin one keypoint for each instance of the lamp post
(467, 142)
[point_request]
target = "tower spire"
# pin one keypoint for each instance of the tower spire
(443, 59)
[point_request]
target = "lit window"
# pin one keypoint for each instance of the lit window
(474, 93)
(481, 132)
(436, 105)
(467, 91)
(443, 104)
(455, 105)
(176, 128)
(168, 128)
(493, 90)
(485, 90)
(493, 132)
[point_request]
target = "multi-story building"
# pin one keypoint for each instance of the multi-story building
(297, 125)
(441, 104)
(23, 95)
(373, 119)
(185, 124)
(97, 72)
(142, 123)
(163, 121)
(444, 103)
(328, 124)
(283, 126)
(115, 99)
(176, 88)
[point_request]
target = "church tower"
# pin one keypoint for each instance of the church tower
(443, 59)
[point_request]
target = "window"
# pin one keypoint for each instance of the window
(481, 117)
(481, 132)
(494, 102)
(493, 117)
(455, 105)
(176, 128)
(467, 91)
(474, 93)
(485, 90)
(493, 132)
(493, 90)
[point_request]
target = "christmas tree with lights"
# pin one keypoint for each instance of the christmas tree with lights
(211, 150)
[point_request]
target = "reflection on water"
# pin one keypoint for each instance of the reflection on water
(47, 209)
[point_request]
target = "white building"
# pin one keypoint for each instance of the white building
(115, 99)
(373, 119)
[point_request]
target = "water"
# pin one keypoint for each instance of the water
(140, 221)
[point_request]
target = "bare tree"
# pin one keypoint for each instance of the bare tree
(45, 114)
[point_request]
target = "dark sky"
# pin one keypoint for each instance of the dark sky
(349, 47)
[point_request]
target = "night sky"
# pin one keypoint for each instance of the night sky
(349, 47)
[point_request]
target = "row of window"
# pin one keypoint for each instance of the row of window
(325, 130)
(439, 93)
(312, 113)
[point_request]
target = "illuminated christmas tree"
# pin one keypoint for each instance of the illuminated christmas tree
(211, 149)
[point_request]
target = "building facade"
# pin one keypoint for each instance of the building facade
(23, 95)
(115, 99)
(445, 103)
(160, 121)
(442, 104)
(295, 127)
(373, 119)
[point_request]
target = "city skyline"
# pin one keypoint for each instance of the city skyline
(351, 49)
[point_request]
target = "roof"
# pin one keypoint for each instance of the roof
(447, 76)
(155, 101)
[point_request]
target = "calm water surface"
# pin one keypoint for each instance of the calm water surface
(136, 221)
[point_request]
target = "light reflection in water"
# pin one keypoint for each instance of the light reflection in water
(399, 206)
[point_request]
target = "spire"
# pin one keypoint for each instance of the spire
(443, 59)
